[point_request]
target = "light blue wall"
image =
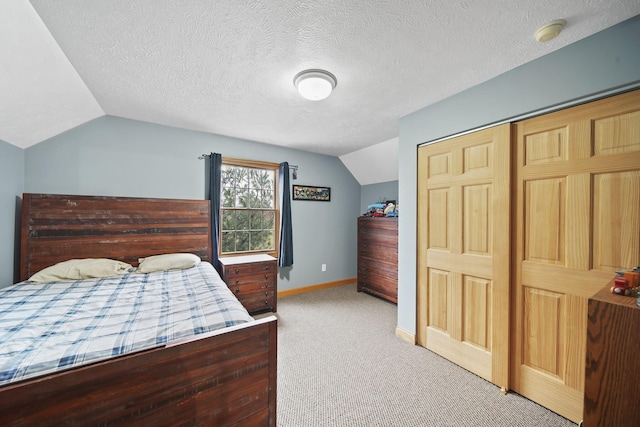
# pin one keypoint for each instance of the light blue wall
(113, 156)
(604, 61)
(375, 193)
(11, 185)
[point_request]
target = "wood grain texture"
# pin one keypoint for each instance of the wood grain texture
(220, 379)
(577, 190)
(255, 284)
(464, 251)
(611, 375)
(227, 377)
(378, 257)
(57, 228)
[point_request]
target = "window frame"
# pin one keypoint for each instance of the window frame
(255, 164)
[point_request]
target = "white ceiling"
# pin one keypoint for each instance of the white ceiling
(227, 66)
(375, 163)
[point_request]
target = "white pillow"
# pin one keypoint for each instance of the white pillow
(76, 269)
(167, 262)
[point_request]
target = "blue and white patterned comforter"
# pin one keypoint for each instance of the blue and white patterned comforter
(47, 327)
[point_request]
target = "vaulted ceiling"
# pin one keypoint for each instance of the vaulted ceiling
(227, 66)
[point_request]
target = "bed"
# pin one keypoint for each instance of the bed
(219, 372)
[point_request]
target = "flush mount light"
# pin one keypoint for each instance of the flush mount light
(549, 30)
(315, 84)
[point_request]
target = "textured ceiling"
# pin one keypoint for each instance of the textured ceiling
(227, 66)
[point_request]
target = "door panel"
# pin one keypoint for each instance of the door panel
(544, 220)
(439, 291)
(477, 309)
(439, 229)
(543, 336)
(477, 230)
(463, 255)
(577, 220)
(616, 200)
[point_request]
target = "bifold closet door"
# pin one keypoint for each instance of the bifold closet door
(463, 251)
(577, 221)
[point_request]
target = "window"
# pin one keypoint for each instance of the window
(249, 216)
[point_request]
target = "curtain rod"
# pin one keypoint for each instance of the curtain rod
(204, 156)
(294, 167)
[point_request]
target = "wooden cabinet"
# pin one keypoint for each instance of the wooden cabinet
(378, 256)
(253, 280)
(611, 376)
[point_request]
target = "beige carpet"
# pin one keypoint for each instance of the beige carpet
(340, 364)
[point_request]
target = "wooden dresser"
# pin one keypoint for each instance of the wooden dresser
(253, 280)
(378, 256)
(612, 384)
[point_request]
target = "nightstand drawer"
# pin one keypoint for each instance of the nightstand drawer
(258, 301)
(249, 287)
(240, 279)
(251, 269)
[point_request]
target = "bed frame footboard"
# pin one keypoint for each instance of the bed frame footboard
(224, 378)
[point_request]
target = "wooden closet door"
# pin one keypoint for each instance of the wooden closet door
(463, 251)
(577, 220)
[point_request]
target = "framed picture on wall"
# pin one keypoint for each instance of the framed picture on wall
(307, 192)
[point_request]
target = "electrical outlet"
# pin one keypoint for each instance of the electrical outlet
(324, 267)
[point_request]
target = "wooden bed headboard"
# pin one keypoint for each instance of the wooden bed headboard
(57, 228)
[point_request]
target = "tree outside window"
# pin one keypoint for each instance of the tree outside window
(249, 217)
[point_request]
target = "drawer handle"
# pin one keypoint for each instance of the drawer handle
(267, 267)
(237, 290)
(237, 281)
(266, 277)
(237, 271)
(266, 294)
(266, 285)
(266, 303)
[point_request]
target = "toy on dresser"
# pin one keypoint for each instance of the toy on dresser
(627, 282)
(382, 209)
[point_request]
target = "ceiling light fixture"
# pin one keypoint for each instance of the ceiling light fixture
(549, 30)
(315, 85)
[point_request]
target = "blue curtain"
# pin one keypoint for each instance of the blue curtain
(215, 184)
(285, 254)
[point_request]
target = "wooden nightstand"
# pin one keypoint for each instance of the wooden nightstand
(253, 280)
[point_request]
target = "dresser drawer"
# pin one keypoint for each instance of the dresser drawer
(378, 279)
(378, 226)
(375, 254)
(369, 240)
(369, 264)
(387, 291)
